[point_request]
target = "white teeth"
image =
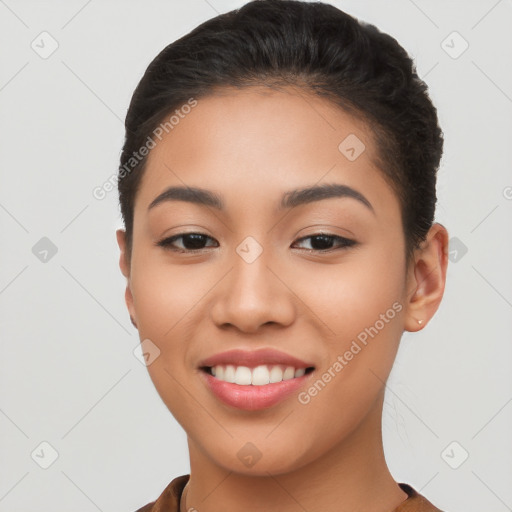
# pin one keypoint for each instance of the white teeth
(243, 376)
(276, 374)
(259, 376)
(300, 372)
(289, 373)
(229, 373)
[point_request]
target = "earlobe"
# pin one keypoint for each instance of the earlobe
(124, 265)
(128, 297)
(121, 242)
(427, 278)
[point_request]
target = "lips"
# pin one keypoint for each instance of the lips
(254, 398)
(253, 395)
(252, 359)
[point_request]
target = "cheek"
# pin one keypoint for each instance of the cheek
(350, 296)
(166, 298)
(165, 295)
(359, 303)
(364, 311)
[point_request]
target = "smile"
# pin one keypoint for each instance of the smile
(251, 396)
(258, 376)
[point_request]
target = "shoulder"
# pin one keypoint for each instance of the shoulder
(169, 499)
(146, 508)
(415, 501)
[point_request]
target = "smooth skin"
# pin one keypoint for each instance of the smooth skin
(249, 146)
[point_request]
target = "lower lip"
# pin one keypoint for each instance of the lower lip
(253, 398)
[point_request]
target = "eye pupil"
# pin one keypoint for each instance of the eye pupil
(195, 242)
(325, 242)
(196, 239)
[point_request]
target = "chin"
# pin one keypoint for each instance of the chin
(259, 458)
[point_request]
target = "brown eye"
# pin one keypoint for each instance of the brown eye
(324, 242)
(189, 242)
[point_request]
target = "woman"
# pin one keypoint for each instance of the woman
(277, 186)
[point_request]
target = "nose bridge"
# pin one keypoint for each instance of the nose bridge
(251, 294)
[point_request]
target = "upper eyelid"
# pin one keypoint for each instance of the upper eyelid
(350, 241)
(319, 233)
(312, 235)
(181, 235)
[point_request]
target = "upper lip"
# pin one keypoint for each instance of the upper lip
(251, 359)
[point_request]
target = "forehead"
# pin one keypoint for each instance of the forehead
(257, 141)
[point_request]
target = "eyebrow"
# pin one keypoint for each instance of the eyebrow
(289, 199)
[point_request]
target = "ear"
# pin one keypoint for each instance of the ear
(426, 279)
(124, 265)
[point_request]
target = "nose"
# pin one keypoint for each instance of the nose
(252, 295)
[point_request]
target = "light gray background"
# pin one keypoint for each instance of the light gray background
(68, 373)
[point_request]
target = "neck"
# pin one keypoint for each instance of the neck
(352, 475)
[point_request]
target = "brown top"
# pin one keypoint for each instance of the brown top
(169, 500)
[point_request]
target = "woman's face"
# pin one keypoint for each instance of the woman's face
(261, 276)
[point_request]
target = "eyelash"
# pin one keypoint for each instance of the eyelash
(166, 243)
